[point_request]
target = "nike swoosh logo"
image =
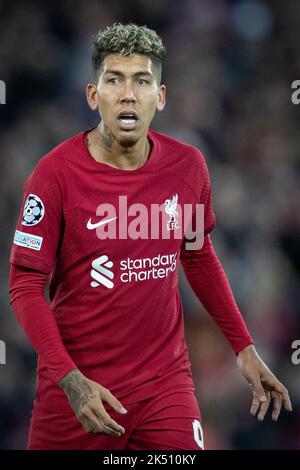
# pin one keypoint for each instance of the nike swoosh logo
(91, 226)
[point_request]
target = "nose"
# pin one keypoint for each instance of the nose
(128, 95)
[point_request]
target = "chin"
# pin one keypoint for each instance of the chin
(127, 142)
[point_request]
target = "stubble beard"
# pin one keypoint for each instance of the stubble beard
(127, 142)
(108, 138)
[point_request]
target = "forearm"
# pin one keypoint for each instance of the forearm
(209, 282)
(37, 320)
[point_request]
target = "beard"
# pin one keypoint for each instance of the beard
(127, 142)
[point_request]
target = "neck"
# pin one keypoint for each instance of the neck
(105, 149)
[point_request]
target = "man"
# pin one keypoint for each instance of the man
(113, 368)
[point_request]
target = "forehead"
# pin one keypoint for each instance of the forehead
(128, 64)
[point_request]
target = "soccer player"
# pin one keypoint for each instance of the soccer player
(113, 367)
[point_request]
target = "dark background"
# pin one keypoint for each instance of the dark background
(228, 72)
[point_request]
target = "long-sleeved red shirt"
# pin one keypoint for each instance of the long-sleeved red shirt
(115, 309)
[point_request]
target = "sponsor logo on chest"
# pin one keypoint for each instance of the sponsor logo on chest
(140, 221)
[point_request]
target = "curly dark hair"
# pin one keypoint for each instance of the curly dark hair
(126, 40)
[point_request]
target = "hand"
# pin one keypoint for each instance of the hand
(265, 386)
(85, 397)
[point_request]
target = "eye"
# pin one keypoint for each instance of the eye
(142, 81)
(114, 80)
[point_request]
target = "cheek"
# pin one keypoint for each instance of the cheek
(106, 98)
(105, 107)
(150, 103)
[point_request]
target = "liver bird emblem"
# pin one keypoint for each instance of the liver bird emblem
(170, 208)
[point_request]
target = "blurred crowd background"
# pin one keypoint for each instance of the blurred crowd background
(228, 72)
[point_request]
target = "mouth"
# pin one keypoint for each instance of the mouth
(128, 120)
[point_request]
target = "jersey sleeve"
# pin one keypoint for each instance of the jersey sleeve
(205, 197)
(40, 224)
(202, 220)
(27, 287)
(208, 280)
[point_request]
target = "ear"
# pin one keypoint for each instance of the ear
(161, 102)
(91, 96)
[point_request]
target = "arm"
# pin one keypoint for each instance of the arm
(209, 282)
(27, 288)
(30, 270)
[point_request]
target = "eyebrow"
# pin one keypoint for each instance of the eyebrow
(137, 74)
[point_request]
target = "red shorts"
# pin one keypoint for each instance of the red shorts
(169, 421)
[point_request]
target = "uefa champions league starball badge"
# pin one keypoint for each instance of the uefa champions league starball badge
(34, 210)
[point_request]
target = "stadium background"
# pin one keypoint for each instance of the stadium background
(229, 71)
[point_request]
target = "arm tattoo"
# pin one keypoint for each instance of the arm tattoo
(77, 389)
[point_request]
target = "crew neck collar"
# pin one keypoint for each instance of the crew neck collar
(110, 169)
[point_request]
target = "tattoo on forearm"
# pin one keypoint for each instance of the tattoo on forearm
(77, 389)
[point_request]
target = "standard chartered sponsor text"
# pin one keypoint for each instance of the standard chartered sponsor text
(144, 269)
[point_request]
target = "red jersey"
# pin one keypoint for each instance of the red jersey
(115, 300)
